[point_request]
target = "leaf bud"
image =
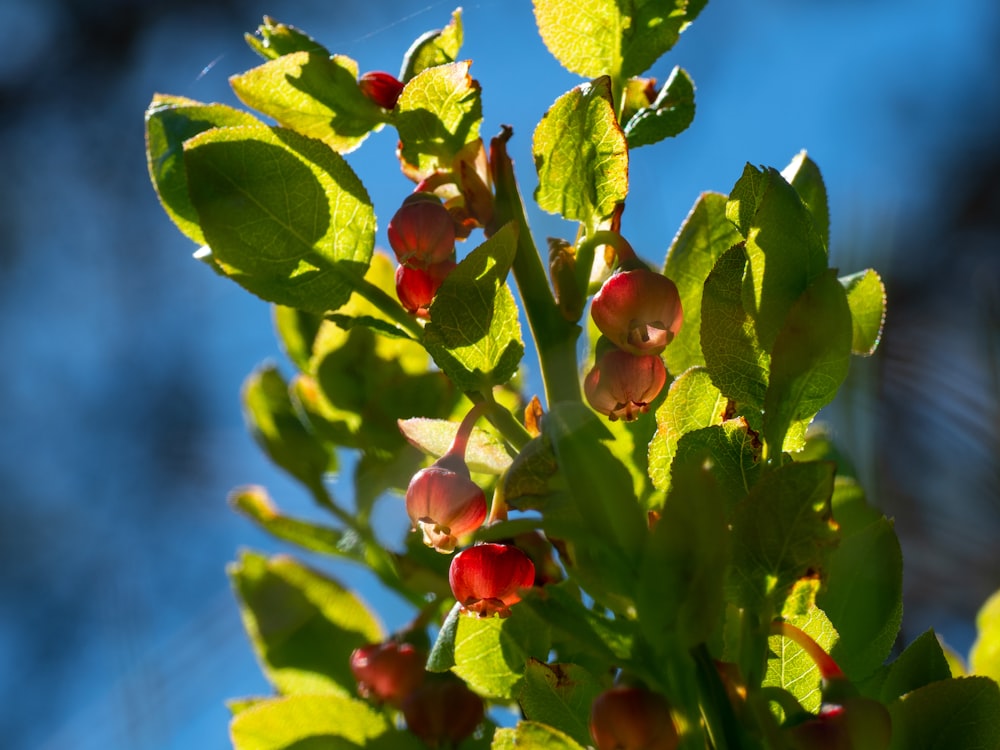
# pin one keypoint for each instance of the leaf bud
(487, 578)
(416, 287)
(444, 503)
(622, 385)
(443, 711)
(387, 672)
(422, 232)
(639, 310)
(381, 88)
(632, 718)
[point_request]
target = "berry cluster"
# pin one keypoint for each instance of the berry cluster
(638, 313)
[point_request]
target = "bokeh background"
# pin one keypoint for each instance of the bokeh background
(120, 427)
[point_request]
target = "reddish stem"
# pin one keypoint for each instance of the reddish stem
(828, 668)
(461, 441)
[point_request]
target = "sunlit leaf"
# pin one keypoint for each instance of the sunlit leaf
(668, 115)
(433, 48)
(867, 300)
(296, 722)
(560, 695)
(984, 658)
(274, 39)
(791, 668)
(803, 174)
(485, 453)
(255, 504)
(491, 654)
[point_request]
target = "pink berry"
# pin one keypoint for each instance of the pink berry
(639, 311)
(622, 385)
(416, 287)
(387, 672)
(444, 503)
(487, 578)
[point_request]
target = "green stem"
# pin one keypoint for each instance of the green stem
(716, 707)
(388, 306)
(500, 417)
(555, 337)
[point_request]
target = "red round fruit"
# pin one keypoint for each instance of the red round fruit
(632, 718)
(387, 672)
(639, 311)
(622, 385)
(487, 578)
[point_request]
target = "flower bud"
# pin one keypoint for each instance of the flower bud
(444, 503)
(632, 718)
(387, 672)
(622, 385)
(422, 233)
(443, 711)
(487, 578)
(416, 287)
(382, 88)
(638, 310)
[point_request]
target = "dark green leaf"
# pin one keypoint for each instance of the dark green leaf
(866, 297)
(284, 215)
(703, 237)
(303, 625)
(733, 355)
(442, 655)
(803, 175)
(297, 331)
(956, 714)
(307, 722)
(474, 335)
(438, 113)
(275, 39)
(171, 120)
(433, 48)
(528, 480)
(782, 531)
(669, 114)
(922, 663)
(379, 325)
(810, 358)
(863, 597)
(784, 251)
(581, 156)
(276, 426)
(313, 94)
(560, 695)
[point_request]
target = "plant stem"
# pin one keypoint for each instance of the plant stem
(555, 337)
(828, 668)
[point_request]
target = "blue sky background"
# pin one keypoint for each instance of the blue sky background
(120, 431)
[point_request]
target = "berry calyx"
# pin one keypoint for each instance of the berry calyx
(638, 310)
(422, 232)
(381, 88)
(622, 385)
(416, 287)
(443, 711)
(632, 718)
(387, 672)
(487, 578)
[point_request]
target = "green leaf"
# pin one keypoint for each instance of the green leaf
(703, 237)
(255, 504)
(668, 115)
(276, 426)
(284, 215)
(922, 663)
(581, 156)
(379, 325)
(810, 358)
(867, 300)
(732, 452)
(803, 174)
(783, 248)
(863, 597)
(298, 722)
(532, 735)
(984, 658)
(442, 655)
(433, 48)
(681, 578)
(593, 38)
(474, 335)
(438, 113)
(296, 331)
(313, 94)
(275, 39)
(955, 714)
(734, 357)
(491, 653)
(485, 452)
(791, 668)
(528, 480)
(171, 120)
(560, 695)
(781, 531)
(303, 625)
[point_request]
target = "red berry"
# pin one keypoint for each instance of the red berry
(443, 711)
(422, 232)
(622, 385)
(487, 578)
(416, 287)
(632, 718)
(444, 503)
(382, 88)
(387, 672)
(639, 310)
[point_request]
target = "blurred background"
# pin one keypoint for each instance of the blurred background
(120, 426)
